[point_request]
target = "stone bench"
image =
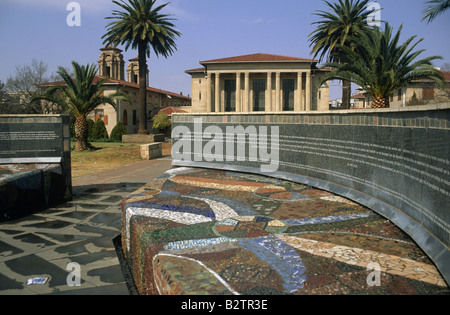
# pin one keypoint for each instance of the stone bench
(151, 151)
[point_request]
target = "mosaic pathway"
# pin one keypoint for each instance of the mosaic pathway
(196, 231)
(42, 245)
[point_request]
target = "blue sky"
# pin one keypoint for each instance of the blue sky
(210, 29)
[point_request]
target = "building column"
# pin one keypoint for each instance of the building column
(247, 92)
(308, 91)
(269, 92)
(299, 102)
(238, 93)
(209, 94)
(278, 92)
(217, 94)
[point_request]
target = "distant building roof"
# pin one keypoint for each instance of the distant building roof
(171, 110)
(260, 57)
(445, 74)
(97, 79)
(111, 48)
(256, 58)
(196, 70)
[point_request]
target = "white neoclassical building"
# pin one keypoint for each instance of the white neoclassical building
(258, 82)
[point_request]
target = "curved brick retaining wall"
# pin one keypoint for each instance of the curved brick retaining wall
(396, 162)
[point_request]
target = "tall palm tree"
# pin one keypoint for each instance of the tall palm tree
(381, 65)
(143, 27)
(79, 97)
(346, 20)
(435, 8)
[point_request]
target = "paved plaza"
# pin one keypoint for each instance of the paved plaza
(209, 232)
(81, 231)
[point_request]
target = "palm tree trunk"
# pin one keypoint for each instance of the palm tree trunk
(142, 89)
(380, 102)
(81, 133)
(346, 94)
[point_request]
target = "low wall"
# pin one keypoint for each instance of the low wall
(35, 163)
(150, 138)
(394, 161)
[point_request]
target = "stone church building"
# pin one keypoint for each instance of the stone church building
(111, 65)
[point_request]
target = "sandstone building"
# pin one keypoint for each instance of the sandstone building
(112, 66)
(258, 82)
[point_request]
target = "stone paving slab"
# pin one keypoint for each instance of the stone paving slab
(80, 231)
(203, 232)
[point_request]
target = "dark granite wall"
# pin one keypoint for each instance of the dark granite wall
(42, 142)
(395, 162)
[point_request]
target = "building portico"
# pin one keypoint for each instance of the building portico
(258, 82)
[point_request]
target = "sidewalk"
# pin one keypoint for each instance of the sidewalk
(80, 231)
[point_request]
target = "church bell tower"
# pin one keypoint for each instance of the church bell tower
(111, 63)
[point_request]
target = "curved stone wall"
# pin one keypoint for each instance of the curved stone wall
(396, 162)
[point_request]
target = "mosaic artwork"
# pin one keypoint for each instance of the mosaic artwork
(197, 232)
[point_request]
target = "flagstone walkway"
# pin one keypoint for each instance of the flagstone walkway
(81, 231)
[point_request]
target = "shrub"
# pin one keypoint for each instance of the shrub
(99, 131)
(414, 100)
(91, 124)
(161, 122)
(118, 131)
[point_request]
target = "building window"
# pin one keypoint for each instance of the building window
(200, 95)
(125, 117)
(259, 95)
(428, 94)
(134, 117)
(399, 95)
(99, 114)
(288, 94)
(230, 95)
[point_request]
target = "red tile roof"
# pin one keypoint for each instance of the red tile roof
(170, 110)
(258, 58)
(196, 70)
(97, 79)
(110, 48)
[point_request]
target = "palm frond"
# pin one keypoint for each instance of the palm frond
(381, 65)
(434, 8)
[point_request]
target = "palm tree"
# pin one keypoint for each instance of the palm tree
(79, 97)
(144, 28)
(435, 8)
(381, 65)
(346, 20)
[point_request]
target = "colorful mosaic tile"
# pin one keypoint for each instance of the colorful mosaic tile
(197, 231)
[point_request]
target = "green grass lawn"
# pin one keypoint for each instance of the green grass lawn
(105, 156)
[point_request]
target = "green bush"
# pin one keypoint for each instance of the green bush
(118, 131)
(161, 122)
(91, 124)
(99, 131)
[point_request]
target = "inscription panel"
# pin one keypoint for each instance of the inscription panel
(30, 139)
(395, 163)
